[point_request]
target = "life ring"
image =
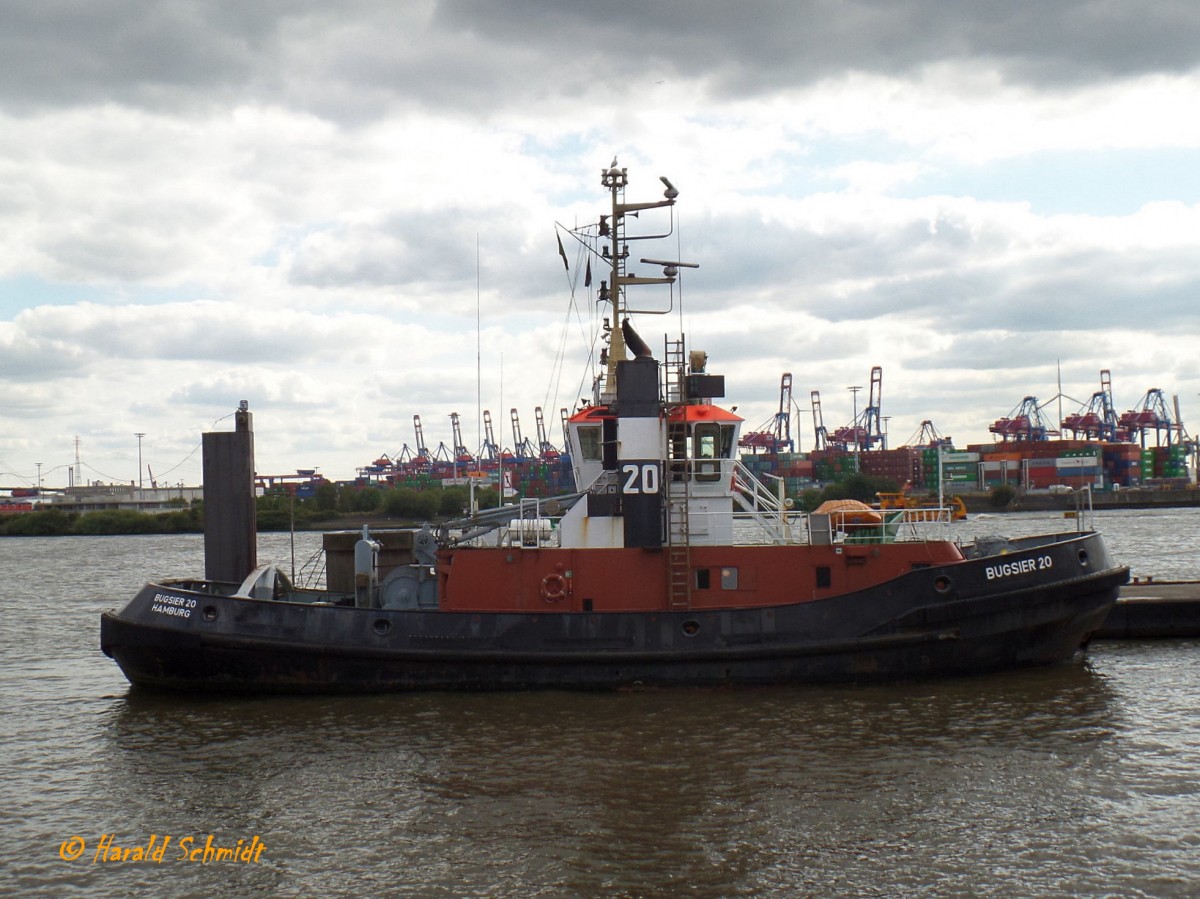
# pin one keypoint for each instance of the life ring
(554, 588)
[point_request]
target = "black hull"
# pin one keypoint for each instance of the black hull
(953, 620)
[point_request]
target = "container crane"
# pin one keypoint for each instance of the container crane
(872, 423)
(928, 436)
(546, 449)
(521, 447)
(1024, 423)
(491, 451)
(1151, 413)
(775, 434)
(461, 453)
(866, 430)
(821, 441)
(422, 457)
(1097, 418)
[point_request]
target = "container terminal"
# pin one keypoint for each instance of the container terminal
(1145, 449)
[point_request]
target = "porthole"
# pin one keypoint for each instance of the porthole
(691, 627)
(381, 626)
(1083, 557)
(942, 584)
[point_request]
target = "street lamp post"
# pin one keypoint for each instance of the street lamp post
(139, 437)
(854, 425)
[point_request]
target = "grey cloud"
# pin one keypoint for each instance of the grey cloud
(353, 60)
(954, 277)
(141, 52)
(766, 45)
(200, 331)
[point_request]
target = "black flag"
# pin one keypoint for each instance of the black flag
(561, 251)
(587, 274)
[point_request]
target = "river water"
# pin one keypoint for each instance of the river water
(1079, 780)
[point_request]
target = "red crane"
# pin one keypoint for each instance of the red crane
(1097, 418)
(1024, 423)
(775, 434)
(1152, 414)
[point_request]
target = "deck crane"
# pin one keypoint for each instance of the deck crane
(821, 440)
(565, 416)
(1097, 418)
(1024, 423)
(775, 434)
(546, 449)
(461, 453)
(1151, 414)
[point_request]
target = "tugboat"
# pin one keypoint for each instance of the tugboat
(671, 566)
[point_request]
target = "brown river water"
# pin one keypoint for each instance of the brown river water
(1080, 780)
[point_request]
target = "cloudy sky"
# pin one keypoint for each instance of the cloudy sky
(344, 213)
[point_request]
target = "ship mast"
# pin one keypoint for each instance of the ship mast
(612, 292)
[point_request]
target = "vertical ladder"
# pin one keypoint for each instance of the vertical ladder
(678, 493)
(673, 372)
(679, 551)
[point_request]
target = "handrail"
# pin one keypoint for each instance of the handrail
(1084, 513)
(768, 510)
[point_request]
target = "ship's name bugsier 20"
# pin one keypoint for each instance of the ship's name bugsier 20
(1023, 567)
(178, 606)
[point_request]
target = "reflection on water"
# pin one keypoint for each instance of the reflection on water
(1075, 780)
(642, 794)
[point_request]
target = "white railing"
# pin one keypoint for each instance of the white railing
(770, 512)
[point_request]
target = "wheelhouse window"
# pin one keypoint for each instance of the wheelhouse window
(590, 443)
(711, 442)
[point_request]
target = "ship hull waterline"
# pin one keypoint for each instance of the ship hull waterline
(918, 625)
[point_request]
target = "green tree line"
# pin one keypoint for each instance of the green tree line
(281, 512)
(275, 512)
